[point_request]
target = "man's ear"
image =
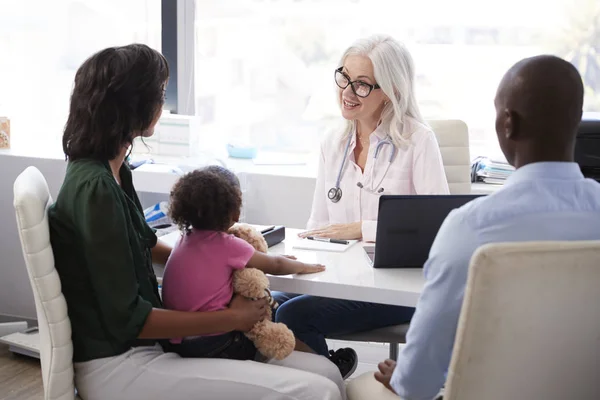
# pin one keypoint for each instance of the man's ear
(511, 124)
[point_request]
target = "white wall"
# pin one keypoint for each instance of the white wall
(278, 200)
(269, 199)
(16, 297)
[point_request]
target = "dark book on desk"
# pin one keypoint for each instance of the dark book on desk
(273, 234)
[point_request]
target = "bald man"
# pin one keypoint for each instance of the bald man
(538, 110)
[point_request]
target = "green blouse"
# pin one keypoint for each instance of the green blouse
(101, 246)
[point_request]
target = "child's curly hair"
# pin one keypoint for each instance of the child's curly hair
(205, 199)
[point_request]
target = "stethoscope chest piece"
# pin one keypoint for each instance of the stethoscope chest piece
(335, 194)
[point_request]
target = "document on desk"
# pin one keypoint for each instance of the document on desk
(307, 244)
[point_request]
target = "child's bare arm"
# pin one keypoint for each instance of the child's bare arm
(280, 265)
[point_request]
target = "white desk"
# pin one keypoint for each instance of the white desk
(348, 276)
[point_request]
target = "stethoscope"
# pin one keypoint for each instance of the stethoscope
(335, 193)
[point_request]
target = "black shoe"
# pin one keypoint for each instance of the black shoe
(345, 359)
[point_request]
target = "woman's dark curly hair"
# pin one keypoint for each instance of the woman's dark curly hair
(118, 93)
(206, 199)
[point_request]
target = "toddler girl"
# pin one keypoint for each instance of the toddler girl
(198, 275)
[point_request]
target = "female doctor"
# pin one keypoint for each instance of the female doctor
(385, 148)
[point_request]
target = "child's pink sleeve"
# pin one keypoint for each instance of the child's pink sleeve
(240, 253)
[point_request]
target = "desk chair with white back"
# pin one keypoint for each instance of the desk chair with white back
(530, 354)
(31, 201)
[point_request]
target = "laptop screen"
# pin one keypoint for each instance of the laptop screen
(407, 226)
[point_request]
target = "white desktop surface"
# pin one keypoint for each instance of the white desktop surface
(348, 276)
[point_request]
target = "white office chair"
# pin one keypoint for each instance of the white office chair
(517, 293)
(453, 138)
(31, 202)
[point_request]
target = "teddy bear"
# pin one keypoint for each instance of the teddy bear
(272, 340)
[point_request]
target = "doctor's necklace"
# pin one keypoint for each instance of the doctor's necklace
(363, 141)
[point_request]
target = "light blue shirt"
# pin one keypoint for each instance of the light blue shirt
(541, 201)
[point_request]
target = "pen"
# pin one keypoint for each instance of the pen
(337, 241)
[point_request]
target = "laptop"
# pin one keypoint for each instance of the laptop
(407, 226)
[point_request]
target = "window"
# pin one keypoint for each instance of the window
(42, 43)
(267, 65)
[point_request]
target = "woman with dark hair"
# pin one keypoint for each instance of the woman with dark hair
(104, 252)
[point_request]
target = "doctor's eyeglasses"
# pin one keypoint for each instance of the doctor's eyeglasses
(360, 88)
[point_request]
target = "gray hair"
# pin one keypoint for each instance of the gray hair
(394, 71)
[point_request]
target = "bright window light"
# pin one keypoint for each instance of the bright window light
(42, 43)
(264, 68)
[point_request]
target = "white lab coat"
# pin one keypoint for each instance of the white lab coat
(415, 169)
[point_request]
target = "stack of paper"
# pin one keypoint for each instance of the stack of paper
(492, 171)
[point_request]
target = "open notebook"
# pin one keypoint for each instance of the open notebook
(306, 244)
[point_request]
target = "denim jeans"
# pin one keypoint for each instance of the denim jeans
(233, 345)
(312, 319)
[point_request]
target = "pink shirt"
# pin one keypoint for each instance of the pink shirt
(198, 274)
(415, 169)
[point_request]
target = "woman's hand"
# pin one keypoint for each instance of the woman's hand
(248, 312)
(310, 268)
(352, 231)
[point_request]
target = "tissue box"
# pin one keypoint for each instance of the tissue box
(4, 133)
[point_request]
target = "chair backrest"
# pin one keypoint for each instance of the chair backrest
(31, 201)
(529, 326)
(453, 138)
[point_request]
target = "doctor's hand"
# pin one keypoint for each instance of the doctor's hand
(352, 231)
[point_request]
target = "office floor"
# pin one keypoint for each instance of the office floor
(21, 379)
